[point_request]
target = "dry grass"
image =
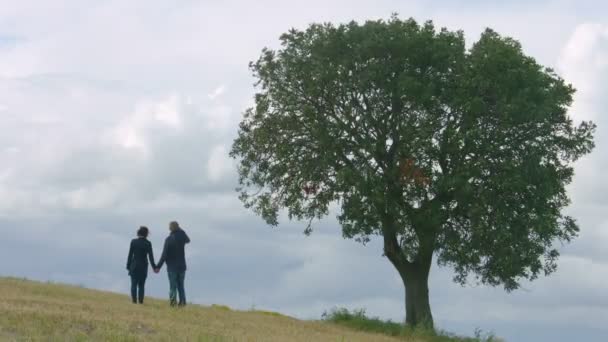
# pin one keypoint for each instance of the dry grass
(33, 311)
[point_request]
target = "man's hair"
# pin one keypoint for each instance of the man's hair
(143, 231)
(173, 225)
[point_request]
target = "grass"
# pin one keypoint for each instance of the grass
(34, 311)
(357, 320)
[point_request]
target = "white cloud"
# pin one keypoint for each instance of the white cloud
(217, 92)
(218, 164)
(168, 112)
(148, 118)
(584, 62)
(219, 118)
(96, 196)
(105, 127)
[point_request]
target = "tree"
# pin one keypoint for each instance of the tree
(443, 151)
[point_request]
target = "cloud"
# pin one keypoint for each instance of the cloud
(218, 163)
(584, 62)
(148, 118)
(217, 92)
(118, 114)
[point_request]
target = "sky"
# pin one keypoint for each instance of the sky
(116, 114)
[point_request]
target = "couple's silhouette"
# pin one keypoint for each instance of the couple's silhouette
(173, 254)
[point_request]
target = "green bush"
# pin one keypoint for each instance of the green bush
(357, 319)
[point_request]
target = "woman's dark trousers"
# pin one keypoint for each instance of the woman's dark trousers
(138, 283)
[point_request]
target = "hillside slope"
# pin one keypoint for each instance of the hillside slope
(39, 311)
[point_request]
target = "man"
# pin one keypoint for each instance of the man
(174, 255)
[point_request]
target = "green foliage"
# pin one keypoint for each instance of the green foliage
(462, 154)
(357, 319)
(221, 307)
(269, 313)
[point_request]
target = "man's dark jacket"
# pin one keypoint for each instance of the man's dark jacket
(139, 253)
(173, 251)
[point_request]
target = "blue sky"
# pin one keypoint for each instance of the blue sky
(117, 114)
(8, 41)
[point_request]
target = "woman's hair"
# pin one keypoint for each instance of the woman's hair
(143, 231)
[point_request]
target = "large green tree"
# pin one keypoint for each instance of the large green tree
(442, 151)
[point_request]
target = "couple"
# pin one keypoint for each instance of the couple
(173, 255)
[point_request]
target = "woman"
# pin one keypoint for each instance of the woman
(137, 263)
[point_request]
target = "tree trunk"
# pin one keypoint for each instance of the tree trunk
(417, 306)
(415, 276)
(414, 273)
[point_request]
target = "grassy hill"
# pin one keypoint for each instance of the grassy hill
(33, 311)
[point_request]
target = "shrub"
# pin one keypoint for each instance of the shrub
(357, 319)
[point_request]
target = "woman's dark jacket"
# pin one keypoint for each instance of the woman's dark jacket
(139, 253)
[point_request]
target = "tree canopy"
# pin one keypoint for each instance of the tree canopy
(457, 153)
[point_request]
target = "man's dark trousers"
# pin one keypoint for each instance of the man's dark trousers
(176, 286)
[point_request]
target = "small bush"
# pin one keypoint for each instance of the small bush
(356, 319)
(221, 307)
(269, 313)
